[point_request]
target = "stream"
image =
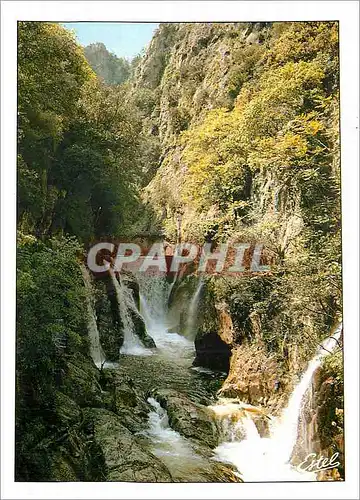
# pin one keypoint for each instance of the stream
(169, 367)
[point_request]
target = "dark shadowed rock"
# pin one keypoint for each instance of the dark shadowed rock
(140, 330)
(108, 319)
(212, 352)
(123, 457)
(81, 381)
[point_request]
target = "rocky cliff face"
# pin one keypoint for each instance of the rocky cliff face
(230, 123)
(242, 113)
(192, 68)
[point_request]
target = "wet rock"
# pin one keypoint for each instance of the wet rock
(126, 400)
(129, 405)
(212, 352)
(124, 393)
(138, 321)
(190, 419)
(108, 319)
(123, 457)
(81, 381)
(140, 330)
(134, 287)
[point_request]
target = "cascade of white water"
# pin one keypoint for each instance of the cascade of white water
(154, 292)
(96, 351)
(173, 449)
(125, 300)
(154, 296)
(193, 312)
(284, 433)
(261, 459)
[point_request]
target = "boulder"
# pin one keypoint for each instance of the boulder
(212, 352)
(190, 419)
(123, 457)
(126, 400)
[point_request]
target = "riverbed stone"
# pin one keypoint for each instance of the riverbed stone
(190, 419)
(123, 457)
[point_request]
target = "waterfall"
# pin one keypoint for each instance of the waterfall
(125, 300)
(174, 450)
(191, 324)
(262, 459)
(96, 351)
(285, 430)
(154, 297)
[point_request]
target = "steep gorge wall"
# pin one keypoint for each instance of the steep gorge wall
(246, 117)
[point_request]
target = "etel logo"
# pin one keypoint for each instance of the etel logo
(313, 463)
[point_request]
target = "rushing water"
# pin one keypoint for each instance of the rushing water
(174, 450)
(191, 324)
(268, 459)
(154, 297)
(256, 458)
(96, 351)
(125, 300)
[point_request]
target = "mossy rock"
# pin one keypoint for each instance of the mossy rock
(190, 419)
(124, 458)
(81, 381)
(61, 470)
(67, 410)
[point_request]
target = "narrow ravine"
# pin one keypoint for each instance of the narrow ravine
(179, 254)
(168, 367)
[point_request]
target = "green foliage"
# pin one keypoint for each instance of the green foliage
(264, 169)
(51, 72)
(50, 327)
(99, 165)
(82, 152)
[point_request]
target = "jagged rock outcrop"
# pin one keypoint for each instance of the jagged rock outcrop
(257, 378)
(191, 419)
(108, 318)
(192, 68)
(123, 458)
